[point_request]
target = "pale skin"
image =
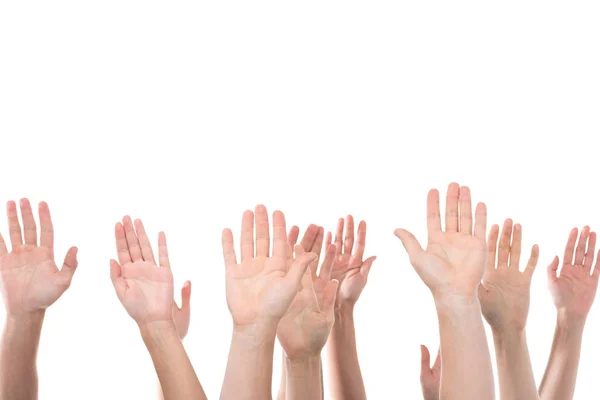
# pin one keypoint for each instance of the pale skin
(312, 241)
(504, 295)
(430, 374)
(573, 291)
(352, 271)
(259, 291)
(452, 267)
(304, 329)
(145, 289)
(181, 317)
(31, 282)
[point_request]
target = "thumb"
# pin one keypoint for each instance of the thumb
(329, 295)
(425, 359)
(298, 268)
(186, 293)
(552, 269)
(366, 267)
(65, 275)
(410, 242)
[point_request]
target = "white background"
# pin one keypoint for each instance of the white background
(186, 114)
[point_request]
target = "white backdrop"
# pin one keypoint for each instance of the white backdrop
(186, 114)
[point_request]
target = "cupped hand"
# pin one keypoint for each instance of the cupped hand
(30, 279)
(349, 268)
(430, 376)
(260, 289)
(574, 289)
(454, 261)
(144, 287)
(305, 327)
(504, 292)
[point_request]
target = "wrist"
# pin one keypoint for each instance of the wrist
(308, 362)
(454, 303)
(571, 321)
(508, 337)
(157, 330)
(26, 318)
(26, 323)
(254, 336)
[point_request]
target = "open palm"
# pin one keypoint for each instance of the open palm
(144, 289)
(349, 268)
(505, 290)
(30, 279)
(454, 260)
(574, 289)
(305, 327)
(261, 288)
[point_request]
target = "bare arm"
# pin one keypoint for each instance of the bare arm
(466, 362)
(31, 282)
(145, 289)
(18, 355)
(345, 377)
(173, 367)
(573, 292)
(504, 296)
(514, 366)
(561, 372)
(250, 363)
(452, 266)
(259, 290)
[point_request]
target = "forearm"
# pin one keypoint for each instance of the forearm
(18, 354)
(304, 379)
(173, 367)
(283, 383)
(561, 373)
(250, 364)
(466, 365)
(344, 369)
(515, 374)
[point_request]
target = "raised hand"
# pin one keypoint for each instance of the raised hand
(261, 288)
(30, 278)
(504, 292)
(452, 267)
(349, 267)
(312, 242)
(144, 288)
(574, 289)
(454, 261)
(304, 329)
(430, 375)
(181, 315)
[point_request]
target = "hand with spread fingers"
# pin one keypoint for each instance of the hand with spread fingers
(574, 289)
(352, 272)
(31, 281)
(452, 267)
(504, 292)
(349, 267)
(304, 329)
(504, 297)
(144, 288)
(454, 261)
(430, 375)
(573, 292)
(259, 291)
